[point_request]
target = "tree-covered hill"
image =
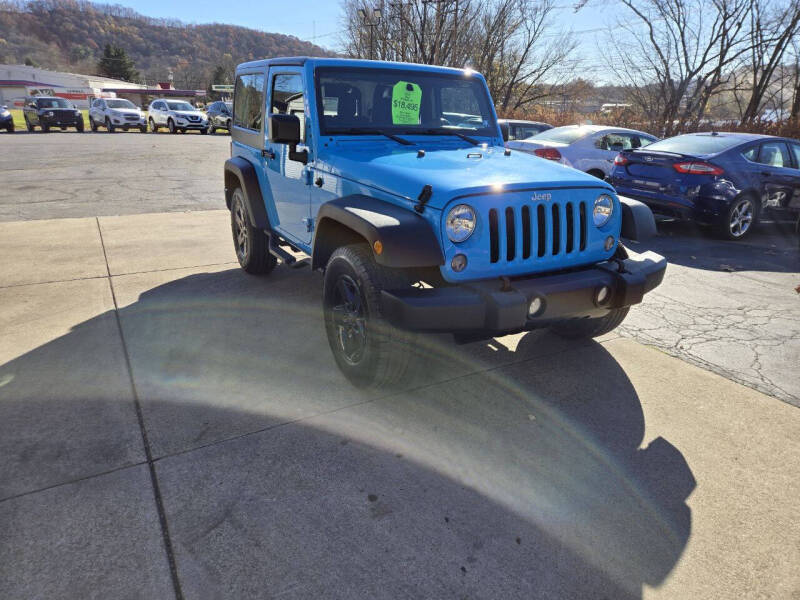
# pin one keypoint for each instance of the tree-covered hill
(70, 35)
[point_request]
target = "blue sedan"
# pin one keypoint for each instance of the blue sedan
(726, 180)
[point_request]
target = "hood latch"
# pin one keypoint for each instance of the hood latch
(423, 198)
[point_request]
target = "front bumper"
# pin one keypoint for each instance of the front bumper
(492, 306)
(180, 124)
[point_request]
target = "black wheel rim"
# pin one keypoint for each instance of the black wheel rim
(349, 319)
(240, 230)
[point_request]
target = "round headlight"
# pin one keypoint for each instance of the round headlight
(460, 222)
(603, 207)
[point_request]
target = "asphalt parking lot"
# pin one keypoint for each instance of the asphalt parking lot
(173, 427)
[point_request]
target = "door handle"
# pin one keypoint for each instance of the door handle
(766, 173)
(268, 153)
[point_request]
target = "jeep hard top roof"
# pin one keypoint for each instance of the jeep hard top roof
(299, 61)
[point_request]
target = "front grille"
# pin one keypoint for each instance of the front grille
(132, 117)
(529, 232)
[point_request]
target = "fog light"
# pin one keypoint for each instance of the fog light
(609, 243)
(459, 263)
(535, 307)
(602, 295)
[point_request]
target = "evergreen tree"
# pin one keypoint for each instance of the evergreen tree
(116, 64)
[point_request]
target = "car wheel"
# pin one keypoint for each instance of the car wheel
(142, 128)
(171, 126)
(212, 129)
(740, 218)
(10, 127)
(597, 173)
(79, 126)
(251, 244)
(28, 125)
(228, 125)
(369, 351)
(204, 131)
(153, 126)
(92, 124)
(45, 128)
(109, 126)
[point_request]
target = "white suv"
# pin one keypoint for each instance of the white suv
(116, 112)
(176, 115)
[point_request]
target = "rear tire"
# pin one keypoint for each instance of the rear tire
(251, 244)
(368, 350)
(738, 221)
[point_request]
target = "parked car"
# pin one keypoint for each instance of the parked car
(726, 180)
(6, 119)
(116, 112)
(515, 129)
(176, 115)
(588, 148)
(351, 163)
(219, 116)
(51, 111)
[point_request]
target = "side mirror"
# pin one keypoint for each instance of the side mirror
(504, 131)
(32, 104)
(284, 129)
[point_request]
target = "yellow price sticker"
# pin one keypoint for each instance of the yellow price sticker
(406, 98)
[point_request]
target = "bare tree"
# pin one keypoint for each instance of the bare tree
(514, 43)
(772, 29)
(675, 54)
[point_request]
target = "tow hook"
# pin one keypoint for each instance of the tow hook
(505, 284)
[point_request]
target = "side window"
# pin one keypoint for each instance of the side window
(751, 153)
(796, 152)
(248, 101)
(287, 98)
(512, 132)
(774, 154)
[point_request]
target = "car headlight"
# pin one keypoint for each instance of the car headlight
(4, 113)
(460, 222)
(603, 208)
(77, 113)
(49, 113)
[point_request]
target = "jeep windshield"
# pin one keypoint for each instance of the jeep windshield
(53, 103)
(363, 101)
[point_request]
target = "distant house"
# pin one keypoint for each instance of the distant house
(18, 82)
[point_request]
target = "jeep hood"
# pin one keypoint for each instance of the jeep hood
(451, 172)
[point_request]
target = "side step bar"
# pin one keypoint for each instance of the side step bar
(278, 252)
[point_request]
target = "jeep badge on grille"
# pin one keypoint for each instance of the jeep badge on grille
(542, 197)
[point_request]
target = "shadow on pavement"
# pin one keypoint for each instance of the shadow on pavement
(772, 246)
(508, 469)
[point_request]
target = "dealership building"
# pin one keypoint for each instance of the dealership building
(18, 82)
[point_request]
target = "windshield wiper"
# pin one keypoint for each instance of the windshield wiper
(359, 131)
(466, 138)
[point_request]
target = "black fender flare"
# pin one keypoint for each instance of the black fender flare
(638, 222)
(240, 172)
(406, 239)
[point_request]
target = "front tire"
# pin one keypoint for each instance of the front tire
(142, 128)
(153, 126)
(109, 126)
(740, 218)
(171, 126)
(590, 328)
(45, 128)
(368, 350)
(251, 244)
(29, 125)
(10, 128)
(203, 131)
(92, 125)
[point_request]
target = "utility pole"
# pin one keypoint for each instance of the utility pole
(372, 20)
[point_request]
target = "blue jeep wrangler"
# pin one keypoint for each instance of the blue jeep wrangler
(393, 179)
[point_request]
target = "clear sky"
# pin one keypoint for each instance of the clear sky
(319, 20)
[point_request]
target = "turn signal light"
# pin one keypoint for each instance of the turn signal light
(697, 168)
(548, 153)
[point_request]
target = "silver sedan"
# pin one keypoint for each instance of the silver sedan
(589, 148)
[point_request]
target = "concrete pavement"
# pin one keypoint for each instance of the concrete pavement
(173, 427)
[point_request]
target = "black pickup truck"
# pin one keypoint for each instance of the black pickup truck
(51, 111)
